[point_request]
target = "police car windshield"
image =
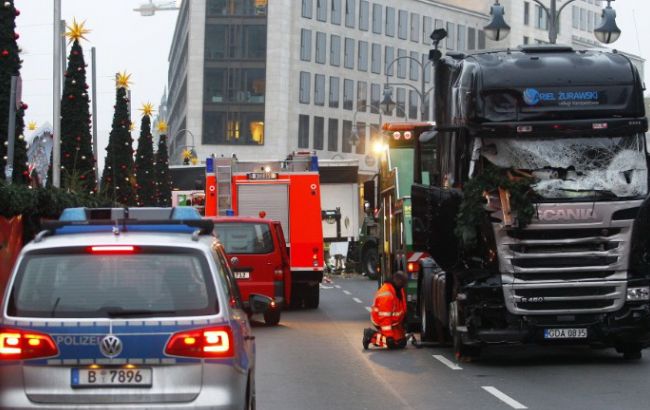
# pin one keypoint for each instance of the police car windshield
(244, 237)
(576, 167)
(143, 284)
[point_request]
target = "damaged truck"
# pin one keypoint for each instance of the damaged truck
(534, 215)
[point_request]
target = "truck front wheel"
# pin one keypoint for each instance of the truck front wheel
(427, 329)
(631, 352)
(369, 262)
(462, 351)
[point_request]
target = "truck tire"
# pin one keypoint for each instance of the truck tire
(462, 351)
(311, 296)
(427, 326)
(369, 261)
(631, 352)
(272, 317)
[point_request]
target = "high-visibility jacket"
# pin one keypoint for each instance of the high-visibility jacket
(388, 312)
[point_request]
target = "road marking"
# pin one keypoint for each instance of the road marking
(357, 300)
(368, 308)
(347, 293)
(324, 287)
(337, 286)
(504, 397)
(442, 359)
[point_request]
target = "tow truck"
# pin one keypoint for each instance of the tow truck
(543, 148)
(287, 191)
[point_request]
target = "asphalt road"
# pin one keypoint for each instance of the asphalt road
(314, 360)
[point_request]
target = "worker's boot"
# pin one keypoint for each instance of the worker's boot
(368, 333)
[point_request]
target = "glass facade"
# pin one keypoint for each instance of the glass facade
(234, 94)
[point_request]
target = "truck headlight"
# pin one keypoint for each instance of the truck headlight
(638, 294)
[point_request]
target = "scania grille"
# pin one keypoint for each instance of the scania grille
(568, 298)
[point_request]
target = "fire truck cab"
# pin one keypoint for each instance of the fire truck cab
(287, 191)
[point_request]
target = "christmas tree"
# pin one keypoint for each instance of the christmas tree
(117, 177)
(163, 178)
(77, 159)
(10, 66)
(144, 167)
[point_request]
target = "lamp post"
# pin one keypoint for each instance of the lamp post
(192, 147)
(355, 129)
(608, 32)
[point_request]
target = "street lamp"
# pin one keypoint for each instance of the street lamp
(355, 130)
(606, 33)
(192, 152)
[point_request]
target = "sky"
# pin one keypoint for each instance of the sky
(125, 40)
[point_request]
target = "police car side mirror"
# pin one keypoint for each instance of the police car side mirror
(260, 303)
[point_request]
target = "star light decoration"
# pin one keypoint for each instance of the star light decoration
(147, 109)
(123, 80)
(31, 125)
(131, 126)
(162, 126)
(76, 31)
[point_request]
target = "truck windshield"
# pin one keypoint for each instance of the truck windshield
(245, 237)
(575, 168)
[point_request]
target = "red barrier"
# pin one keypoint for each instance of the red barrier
(11, 241)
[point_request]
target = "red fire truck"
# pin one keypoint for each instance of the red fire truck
(287, 191)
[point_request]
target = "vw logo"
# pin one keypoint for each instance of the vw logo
(234, 260)
(531, 96)
(110, 346)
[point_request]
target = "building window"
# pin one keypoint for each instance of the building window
(401, 63)
(390, 22)
(215, 85)
(319, 90)
(451, 36)
(461, 39)
(307, 8)
(526, 13)
(375, 98)
(401, 102)
(215, 44)
(375, 65)
(348, 95)
(333, 135)
(305, 45)
(335, 90)
(526, 40)
(402, 24)
(414, 71)
(319, 132)
(427, 29)
(439, 24)
(336, 12)
(415, 27)
(346, 140)
(541, 20)
(303, 131)
(364, 15)
(389, 55)
(348, 61)
(362, 63)
(590, 21)
(335, 50)
(362, 96)
(321, 10)
(255, 41)
(361, 144)
(413, 104)
(471, 38)
(481, 40)
(304, 87)
(214, 125)
(583, 19)
(236, 7)
(376, 18)
(427, 68)
(321, 47)
(240, 85)
(350, 13)
(233, 128)
(575, 17)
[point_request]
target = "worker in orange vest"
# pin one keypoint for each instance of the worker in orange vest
(387, 314)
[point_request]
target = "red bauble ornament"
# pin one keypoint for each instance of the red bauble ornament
(75, 53)
(71, 97)
(17, 12)
(24, 106)
(16, 36)
(5, 53)
(67, 155)
(25, 173)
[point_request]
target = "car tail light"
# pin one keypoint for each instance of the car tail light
(279, 273)
(212, 342)
(411, 267)
(112, 249)
(18, 344)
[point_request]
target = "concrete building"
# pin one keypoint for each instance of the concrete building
(261, 78)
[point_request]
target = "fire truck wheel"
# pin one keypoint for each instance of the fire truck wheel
(369, 261)
(312, 296)
(272, 317)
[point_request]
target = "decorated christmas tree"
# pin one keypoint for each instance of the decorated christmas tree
(10, 66)
(77, 159)
(144, 161)
(117, 177)
(162, 176)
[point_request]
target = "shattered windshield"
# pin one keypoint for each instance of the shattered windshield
(578, 167)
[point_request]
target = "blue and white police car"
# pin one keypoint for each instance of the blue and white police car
(126, 308)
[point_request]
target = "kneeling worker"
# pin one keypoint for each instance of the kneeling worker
(387, 314)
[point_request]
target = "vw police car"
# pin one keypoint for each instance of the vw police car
(126, 308)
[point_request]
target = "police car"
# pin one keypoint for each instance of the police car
(126, 308)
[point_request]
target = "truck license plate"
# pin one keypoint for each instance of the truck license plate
(112, 377)
(576, 333)
(242, 275)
